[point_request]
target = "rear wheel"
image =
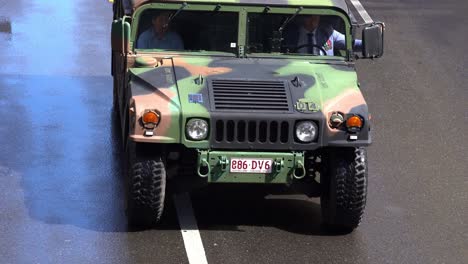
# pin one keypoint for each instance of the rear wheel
(146, 187)
(344, 188)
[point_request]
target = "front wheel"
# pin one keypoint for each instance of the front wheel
(344, 188)
(146, 188)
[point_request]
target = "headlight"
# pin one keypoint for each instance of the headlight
(336, 119)
(197, 129)
(306, 131)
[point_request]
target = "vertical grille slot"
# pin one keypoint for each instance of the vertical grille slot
(230, 131)
(263, 132)
(219, 130)
(252, 131)
(241, 131)
(273, 132)
(284, 135)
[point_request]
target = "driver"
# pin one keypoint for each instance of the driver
(158, 36)
(311, 36)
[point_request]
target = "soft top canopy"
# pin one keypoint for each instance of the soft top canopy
(131, 5)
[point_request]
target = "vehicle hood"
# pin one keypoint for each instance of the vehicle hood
(324, 86)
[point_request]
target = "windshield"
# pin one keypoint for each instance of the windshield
(188, 30)
(301, 35)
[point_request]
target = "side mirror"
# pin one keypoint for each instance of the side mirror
(120, 36)
(372, 41)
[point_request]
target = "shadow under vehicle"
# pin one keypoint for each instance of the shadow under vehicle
(242, 104)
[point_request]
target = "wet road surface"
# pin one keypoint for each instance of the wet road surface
(61, 190)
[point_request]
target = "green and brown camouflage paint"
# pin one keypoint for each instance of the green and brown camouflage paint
(330, 84)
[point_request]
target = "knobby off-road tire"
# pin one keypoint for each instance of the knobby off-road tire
(312, 164)
(115, 116)
(344, 192)
(115, 99)
(146, 188)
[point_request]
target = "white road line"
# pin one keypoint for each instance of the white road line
(188, 227)
(365, 16)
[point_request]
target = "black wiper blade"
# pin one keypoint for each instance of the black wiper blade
(184, 5)
(287, 21)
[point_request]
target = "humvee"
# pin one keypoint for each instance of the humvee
(240, 105)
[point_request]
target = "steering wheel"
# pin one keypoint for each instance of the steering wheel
(310, 45)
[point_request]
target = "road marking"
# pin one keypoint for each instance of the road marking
(365, 16)
(188, 227)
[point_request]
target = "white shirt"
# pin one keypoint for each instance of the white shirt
(335, 40)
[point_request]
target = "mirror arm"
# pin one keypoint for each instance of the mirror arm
(123, 51)
(125, 45)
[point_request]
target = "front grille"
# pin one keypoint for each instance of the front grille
(242, 95)
(263, 132)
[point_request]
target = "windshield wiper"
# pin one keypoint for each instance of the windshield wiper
(184, 5)
(287, 21)
(277, 36)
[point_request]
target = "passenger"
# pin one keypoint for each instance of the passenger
(159, 36)
(311, 35)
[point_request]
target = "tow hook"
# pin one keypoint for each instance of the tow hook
(204, 166)
(299, 166)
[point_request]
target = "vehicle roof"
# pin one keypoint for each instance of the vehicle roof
(340, 4)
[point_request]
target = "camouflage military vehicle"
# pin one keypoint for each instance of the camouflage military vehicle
(238, 104)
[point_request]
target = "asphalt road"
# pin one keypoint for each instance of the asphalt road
(61, 191)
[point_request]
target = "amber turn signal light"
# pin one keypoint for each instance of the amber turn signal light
(354, 122)
(150, 117)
